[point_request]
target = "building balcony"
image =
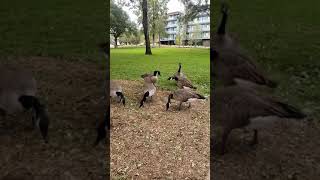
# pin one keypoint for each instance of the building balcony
(171, 32)
(171, 25)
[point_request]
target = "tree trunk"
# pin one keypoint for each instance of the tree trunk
(145, 26)
(153, 39)
(159, 40)
(186, 24)
(115, 42)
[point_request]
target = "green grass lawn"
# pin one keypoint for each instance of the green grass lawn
(62, 28)
(131, 63)
(284, 37)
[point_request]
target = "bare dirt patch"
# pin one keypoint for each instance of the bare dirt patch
(290, 151)
(152, 143)
(71, 91)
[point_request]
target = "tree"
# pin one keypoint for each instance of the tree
(146, 26)
(194, 8)
(196, 34)
(180, 36)
(119, 22)
(158, 10)
(141, 8)
(161, 29)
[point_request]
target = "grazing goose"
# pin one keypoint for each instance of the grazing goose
(178, 73)
(237, 107)
(183, 83)
(151, 77)
(18, 93)
(183, 95)
(116, 91)
(149, 90)
(103, 126)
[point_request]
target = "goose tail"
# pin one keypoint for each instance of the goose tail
(200, 96)
(289, 111)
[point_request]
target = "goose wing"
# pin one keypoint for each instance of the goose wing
(235, 65)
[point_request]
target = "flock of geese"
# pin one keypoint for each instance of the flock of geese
(239, 103)
(183, 94)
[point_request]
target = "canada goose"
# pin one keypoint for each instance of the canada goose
(177, 74)
(237, 107)
(232, 67)
(103, 126)
(116, 91)
(18, 93)
(183, 95)
(230, 63)
(149, 90)
(183, 83)
(151, 77)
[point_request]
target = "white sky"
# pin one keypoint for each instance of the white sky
(173, 5)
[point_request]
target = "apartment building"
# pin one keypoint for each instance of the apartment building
(198, 29)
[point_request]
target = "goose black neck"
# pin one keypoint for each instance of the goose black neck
(179, 70)
(101, 129)
(41, 114)
(120, 94)
(169, 101)
(222, 27)
(144, 99)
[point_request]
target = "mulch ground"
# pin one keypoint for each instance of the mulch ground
(289, 151)
(152, 143)
(71, 91)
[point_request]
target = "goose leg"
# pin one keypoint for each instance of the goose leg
(255, 138)
(34, 118)
(3, 115)
(180, 104)
(225, 135)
